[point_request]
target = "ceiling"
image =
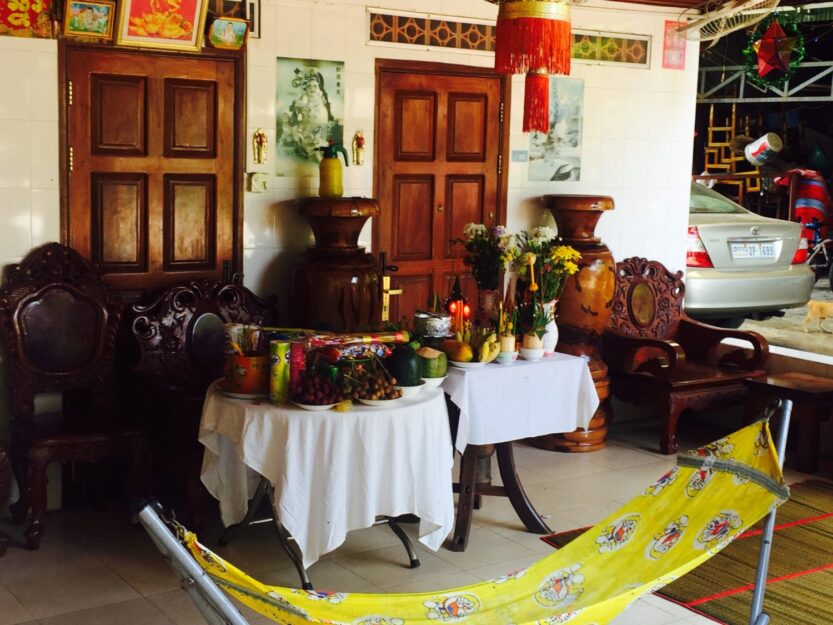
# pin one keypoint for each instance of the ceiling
(682, 4)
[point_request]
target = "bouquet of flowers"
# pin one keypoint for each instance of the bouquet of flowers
(544, 265)
(488, 250)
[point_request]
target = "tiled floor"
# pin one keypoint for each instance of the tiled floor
(94, 568)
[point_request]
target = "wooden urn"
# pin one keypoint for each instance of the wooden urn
(584, 309)
(336, 284)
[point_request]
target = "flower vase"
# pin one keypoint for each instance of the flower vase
(487, 306)
(550, 338)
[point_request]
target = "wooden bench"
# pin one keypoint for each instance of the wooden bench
(812, 396)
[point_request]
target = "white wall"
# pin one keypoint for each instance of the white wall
(638, 126)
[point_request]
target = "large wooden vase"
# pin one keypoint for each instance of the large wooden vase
(337, 283)
(584, 308)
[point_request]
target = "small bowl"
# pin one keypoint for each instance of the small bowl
(532, 354)
(410, 391)
(506, 358)
(433, 382)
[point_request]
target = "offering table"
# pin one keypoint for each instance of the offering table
(331, 471)
(499, 404)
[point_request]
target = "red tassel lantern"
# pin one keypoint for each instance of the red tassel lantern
(533, 37)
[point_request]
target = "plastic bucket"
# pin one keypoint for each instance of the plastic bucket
(764, 149)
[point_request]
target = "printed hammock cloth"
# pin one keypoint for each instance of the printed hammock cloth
(692, 512)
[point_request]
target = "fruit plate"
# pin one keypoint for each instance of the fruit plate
(433, 382)
(466, 365)
(233, 395)
(379, 402)
(314, 407)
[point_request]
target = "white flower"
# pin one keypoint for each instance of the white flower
(471, 230)
(542, 234)
(506, 242)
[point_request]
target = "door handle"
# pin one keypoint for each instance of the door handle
(440, 208)
(386, 294)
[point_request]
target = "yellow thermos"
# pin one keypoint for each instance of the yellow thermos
(330, 183)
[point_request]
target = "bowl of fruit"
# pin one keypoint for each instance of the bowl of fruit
(315, 391)
(410, 391)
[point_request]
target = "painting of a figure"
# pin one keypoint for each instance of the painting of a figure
(310, 110)
(556, 155)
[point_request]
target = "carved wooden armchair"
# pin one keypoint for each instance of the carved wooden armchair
(181, 341)
(656, 354)
(58, 323)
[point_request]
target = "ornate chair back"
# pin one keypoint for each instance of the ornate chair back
(181, 334)
(647, 300)
(59, 327)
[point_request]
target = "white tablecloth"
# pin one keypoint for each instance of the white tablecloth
(332, 471)
(501, 403)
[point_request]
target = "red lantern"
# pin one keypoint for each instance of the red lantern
(534, 38)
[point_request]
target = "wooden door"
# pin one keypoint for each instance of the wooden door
(440, 139)
(152, 189)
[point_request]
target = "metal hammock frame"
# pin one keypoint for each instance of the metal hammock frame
(218, 609)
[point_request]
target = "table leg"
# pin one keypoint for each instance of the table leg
(251, 513)
(289, 545)
(506, 463)
(465, 501)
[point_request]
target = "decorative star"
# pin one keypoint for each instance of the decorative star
(774, 50)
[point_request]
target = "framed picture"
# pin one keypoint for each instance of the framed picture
(89, 18)
(248, 10)
(171, 24)
(228, 33)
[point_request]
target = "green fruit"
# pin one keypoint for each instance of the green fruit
(433, 363)
(403, 364)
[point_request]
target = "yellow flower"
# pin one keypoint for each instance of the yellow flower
(570, 267)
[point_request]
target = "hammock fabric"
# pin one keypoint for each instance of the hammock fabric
(692, 512)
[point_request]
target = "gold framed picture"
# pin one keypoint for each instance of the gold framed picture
(229, 33)
(171, 24)
(89, 18)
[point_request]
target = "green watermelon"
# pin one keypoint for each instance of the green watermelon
(433, 363)
(403, 364)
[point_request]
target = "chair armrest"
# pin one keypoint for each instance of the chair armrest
(625, 354)
(700, 340)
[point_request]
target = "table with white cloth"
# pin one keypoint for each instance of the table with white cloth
(332, 472)
(499, 404)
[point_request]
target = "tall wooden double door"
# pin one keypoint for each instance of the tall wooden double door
(440, 141)
(153, 163)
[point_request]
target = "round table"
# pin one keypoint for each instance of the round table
(332, 472)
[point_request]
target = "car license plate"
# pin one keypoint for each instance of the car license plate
(753, 250)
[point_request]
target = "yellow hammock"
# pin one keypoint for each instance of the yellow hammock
(692, 512)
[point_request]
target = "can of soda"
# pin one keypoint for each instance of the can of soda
(279, 373)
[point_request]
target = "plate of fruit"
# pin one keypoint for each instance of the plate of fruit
(372, 385)
(315, 392)
(470, 350)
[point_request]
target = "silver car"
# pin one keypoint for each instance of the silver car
(740, 264)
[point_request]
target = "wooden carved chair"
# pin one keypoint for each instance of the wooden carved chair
(58, 323)
(656, 354)
(181, 340)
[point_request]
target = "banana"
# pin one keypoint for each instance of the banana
(458, 335)
(482, 353)
(467, 336)
(492, 350)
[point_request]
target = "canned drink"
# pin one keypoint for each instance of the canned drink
(279, 374)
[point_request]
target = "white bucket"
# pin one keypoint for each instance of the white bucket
(764, 149)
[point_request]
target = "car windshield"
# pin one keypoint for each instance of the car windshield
(705, 200)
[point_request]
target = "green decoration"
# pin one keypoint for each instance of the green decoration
(774, 51)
